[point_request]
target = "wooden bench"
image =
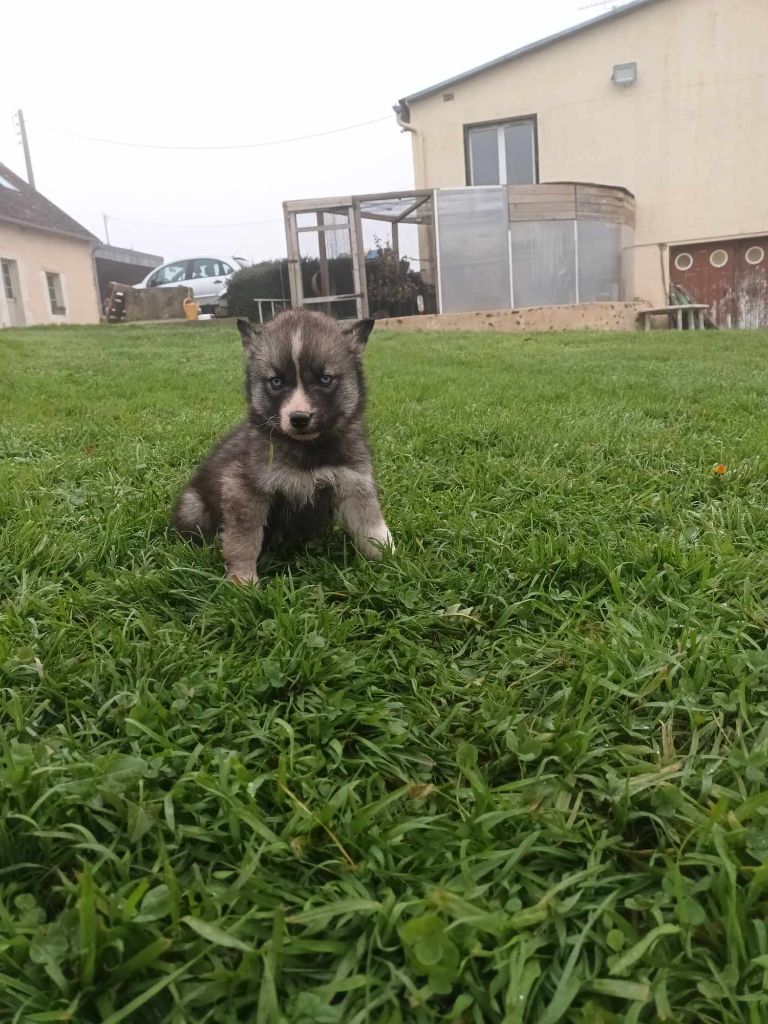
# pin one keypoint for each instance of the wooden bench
(691, 316)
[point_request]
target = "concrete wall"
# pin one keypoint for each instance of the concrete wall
(589, 316)
(108, 271)
(38, 252)
(155, 303)
(688, 139)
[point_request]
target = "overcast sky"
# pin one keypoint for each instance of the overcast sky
(202, 73)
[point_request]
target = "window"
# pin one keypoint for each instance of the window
(719, 258)
(173, 273)
(503, 153)
(210, 268)
(55, 294)
(7, 280)
(754, 255)
(683, 261)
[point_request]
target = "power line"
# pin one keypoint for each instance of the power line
(244, 145)
(156, 224)
(602, 3)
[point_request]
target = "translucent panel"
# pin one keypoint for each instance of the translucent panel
(397, 207)
(309, 245)
(543, 262)
(337, 243)
(473, 249)
(336, 240)
(599, 261)
(308, 218)
(484, 156)
(342, 278)
(393, 208)
(519, 152)
(345, 310)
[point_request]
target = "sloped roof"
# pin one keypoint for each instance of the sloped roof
(118, 254)
(540, 44)
(24, 205)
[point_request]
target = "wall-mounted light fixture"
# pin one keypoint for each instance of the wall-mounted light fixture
(624, 74)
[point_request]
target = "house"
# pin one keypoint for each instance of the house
(666, 99)
(46, 260)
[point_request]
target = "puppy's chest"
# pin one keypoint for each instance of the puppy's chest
(290, 524)
(301, 506)
(304, 487)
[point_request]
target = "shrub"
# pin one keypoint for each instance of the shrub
(265, 280)
(392, 286)
(269, 280)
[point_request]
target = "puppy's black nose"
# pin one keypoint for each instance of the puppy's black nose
(299, 420)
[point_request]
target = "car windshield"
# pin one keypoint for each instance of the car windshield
(241, 261)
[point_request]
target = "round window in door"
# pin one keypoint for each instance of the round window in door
(718, 258)
(754, 255)
(683, 261)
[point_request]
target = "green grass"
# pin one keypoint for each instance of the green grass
(517, 773)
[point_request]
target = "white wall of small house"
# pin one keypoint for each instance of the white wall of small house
(688, 138)
(37, 253)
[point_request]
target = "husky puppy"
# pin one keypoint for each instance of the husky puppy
(300, 457)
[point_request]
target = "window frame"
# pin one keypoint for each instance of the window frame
(498, 123)
(753, 248)
(5, 273)
(217, 261)
(57, 309)
(684, 253)
(187, 264)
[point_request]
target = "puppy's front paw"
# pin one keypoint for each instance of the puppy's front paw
(243, 577)
(388, 544)
(379, 542)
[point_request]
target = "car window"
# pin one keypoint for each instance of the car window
(173, 273)
(209, 268)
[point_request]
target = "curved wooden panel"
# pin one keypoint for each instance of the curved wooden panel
(571, 201)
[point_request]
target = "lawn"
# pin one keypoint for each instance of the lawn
(516, 773)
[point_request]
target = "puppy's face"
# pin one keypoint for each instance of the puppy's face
(304, 375)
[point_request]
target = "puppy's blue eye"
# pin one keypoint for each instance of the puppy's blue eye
(275, 383)
(326, 380)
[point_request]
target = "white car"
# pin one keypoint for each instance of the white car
(207, 276)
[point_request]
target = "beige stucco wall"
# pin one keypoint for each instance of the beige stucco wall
(688, 139)
(37, 253)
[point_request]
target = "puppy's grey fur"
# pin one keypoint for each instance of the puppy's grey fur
(301, 455)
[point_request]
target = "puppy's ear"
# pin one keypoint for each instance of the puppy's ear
(249, 334)
(358, 333)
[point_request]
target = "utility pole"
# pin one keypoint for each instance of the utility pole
(106, 228)
(25, 144)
